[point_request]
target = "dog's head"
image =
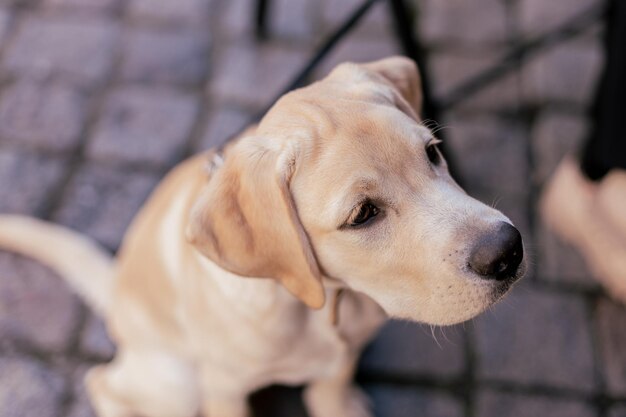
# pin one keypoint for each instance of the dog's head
(341, 181)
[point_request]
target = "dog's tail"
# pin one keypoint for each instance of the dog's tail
(86, 266)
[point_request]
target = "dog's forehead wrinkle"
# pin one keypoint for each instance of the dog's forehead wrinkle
(300, 112)
(325, 103)
(355, 126)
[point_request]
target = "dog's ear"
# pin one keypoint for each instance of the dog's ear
(246, 220)
(402, 74)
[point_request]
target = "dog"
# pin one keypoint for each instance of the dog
(277, 258)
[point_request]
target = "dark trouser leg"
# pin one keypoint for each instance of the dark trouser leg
(606, 146)
(260, 18)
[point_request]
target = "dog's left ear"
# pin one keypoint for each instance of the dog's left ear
(246, 221)
(402, 74)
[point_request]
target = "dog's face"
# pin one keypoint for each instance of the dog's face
(342, 181)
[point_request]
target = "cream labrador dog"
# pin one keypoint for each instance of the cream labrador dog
(277, 260)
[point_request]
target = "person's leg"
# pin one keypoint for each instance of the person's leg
(606, 147)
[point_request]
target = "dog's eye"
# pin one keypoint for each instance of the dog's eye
(364, 214)
(432, 152)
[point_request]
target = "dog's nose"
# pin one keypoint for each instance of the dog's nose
(498, 254)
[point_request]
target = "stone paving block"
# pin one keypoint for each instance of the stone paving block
(293, 19)
(222, 124)
(105, 6)
(95, 340)
(19, 3)
(5, 21)
(407, 349)
(28, 388)
(26, 179)
(46, 116)
(567, 74)
(449, 70)
(80, 407)
(536, 338)
(36, 306)
(463, 24)
(618, 411)
(555, 135)
(358, 49)
(490, 153)
(144, 125)
(165, 56)
(235, 20)
(502, 95)
(536, 17)
(493, 403)
(610, 319)
(559, 261)
(180, 12)
(81, 50)
(377, 21)
(101, 201)
(391, 401)
(253, 74)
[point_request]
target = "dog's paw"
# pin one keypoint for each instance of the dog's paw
(351, 401)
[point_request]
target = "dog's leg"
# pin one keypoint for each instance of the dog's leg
(337, 396)
(154, 384)
(222, 396)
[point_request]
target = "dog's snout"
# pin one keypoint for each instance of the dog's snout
(497, 255)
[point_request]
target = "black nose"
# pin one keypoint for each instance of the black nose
(498, 254)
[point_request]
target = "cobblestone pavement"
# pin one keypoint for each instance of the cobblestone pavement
(99, 98)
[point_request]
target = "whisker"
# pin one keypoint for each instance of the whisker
(428, 123)
(445, 336)
(440, 128)
(496, 201)
(432, 332)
